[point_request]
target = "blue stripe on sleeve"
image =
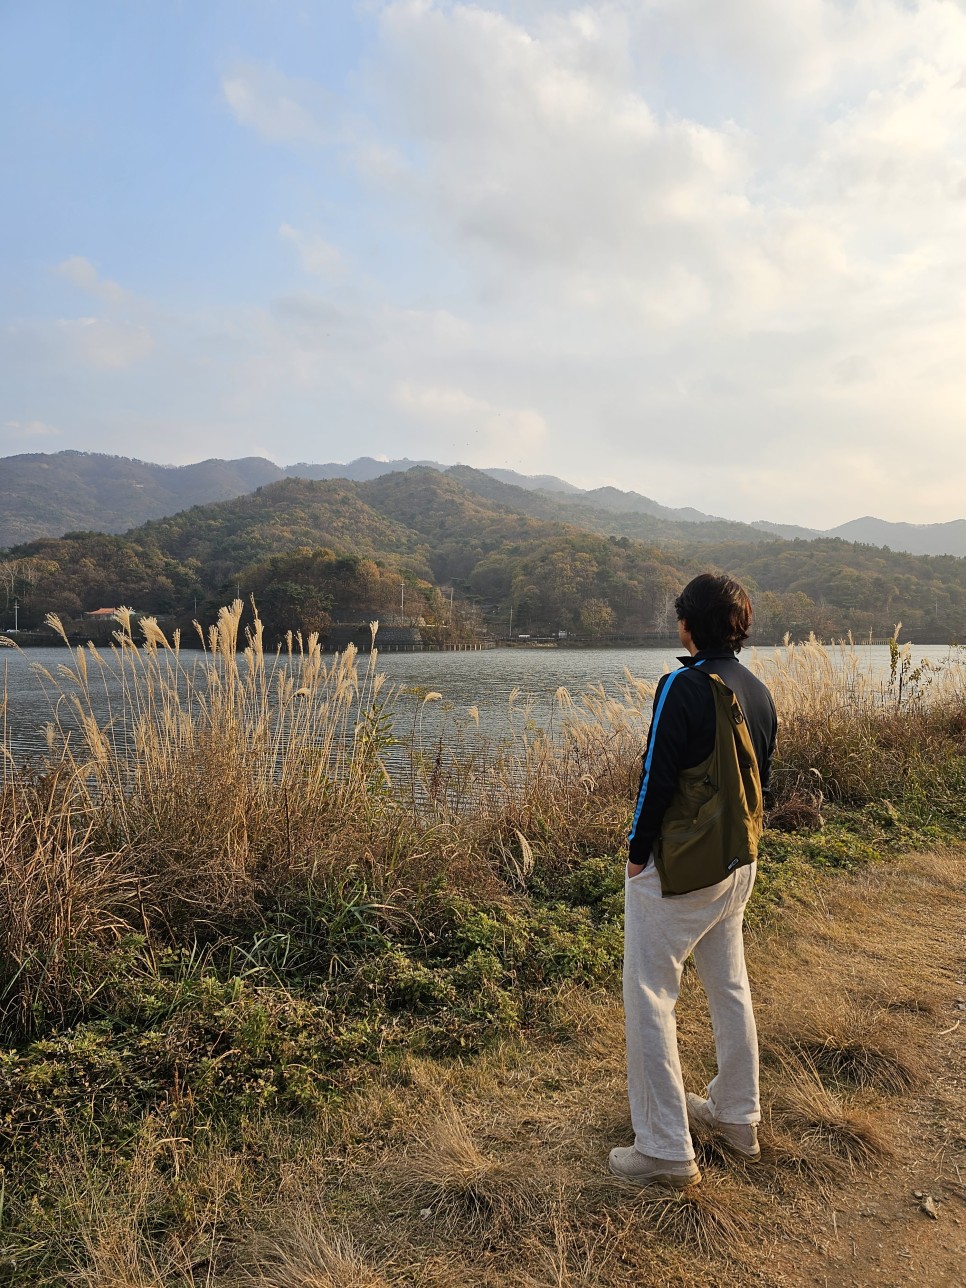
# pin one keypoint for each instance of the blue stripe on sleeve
(650, 751)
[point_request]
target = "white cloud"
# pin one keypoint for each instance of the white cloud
(105, 344)
(317, 255)
(773, 272)
(80, 272)
(542, 154)
(31, 429)
(482, 428)
(123, 337)
(280, 108)
(440, 402)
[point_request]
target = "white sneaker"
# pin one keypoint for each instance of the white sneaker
(741, 1138)
(641, 1169)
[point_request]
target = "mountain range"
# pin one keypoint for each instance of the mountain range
(43, 495)
(464, 552)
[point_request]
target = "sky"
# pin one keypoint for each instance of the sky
(713, 251)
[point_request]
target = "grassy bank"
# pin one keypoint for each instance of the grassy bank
(210, 944)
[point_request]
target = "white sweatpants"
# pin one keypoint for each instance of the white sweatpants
(659, 935)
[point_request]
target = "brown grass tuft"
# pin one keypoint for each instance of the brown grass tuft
(711, 1220)
(913, 1004)
(106, 1220)
(563, 1255)
(802, 1158)
(62, 900)
(592, 1020)
(814, 1114)
(798, 810)
(710, 1151)
(452, 1177)
(311, 1257)
(861, 1045)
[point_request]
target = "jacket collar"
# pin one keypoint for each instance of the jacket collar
(705, 654)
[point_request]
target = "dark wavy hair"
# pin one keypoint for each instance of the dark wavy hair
(716, 610)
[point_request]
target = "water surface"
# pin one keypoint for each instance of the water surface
(481, 679)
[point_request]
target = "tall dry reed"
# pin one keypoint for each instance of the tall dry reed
(850, 735)
(215, 783)
(227, 784)
(224, 775)
(547, 792)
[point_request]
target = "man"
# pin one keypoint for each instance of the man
(714, 614)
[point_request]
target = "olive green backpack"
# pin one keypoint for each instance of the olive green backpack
(714, 821)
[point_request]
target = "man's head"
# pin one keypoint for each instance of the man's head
(715, 611)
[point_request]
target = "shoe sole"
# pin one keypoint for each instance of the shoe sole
(664, 1178)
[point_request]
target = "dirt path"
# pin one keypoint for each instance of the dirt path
(494, 1173)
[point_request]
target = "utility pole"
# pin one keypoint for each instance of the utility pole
(15, 617)
(511, 622)
(402, 599)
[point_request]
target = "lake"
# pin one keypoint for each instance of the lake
(483, 679)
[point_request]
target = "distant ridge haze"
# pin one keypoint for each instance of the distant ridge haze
(48, 494)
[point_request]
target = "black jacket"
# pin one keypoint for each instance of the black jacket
(682, 734)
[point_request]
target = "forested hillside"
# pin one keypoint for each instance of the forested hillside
(218, 541)
(48, 495)
(609, 512)
(422, 547)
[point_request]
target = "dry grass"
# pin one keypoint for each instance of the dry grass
(221, 777)
(713, 1221)
(874, 975)
(59, 890)
(829, 983)
(568, 1255)
(310, 1257)
(852, 1042)
(799, 809)
(594, 1019)
(907, 1001)
(120, 1244)
(807, 1109)
(220, 785)
(211, 786)
(463, 1139)
(790, 1160)
(544, 794)
(848, 735)
(454, 1182)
